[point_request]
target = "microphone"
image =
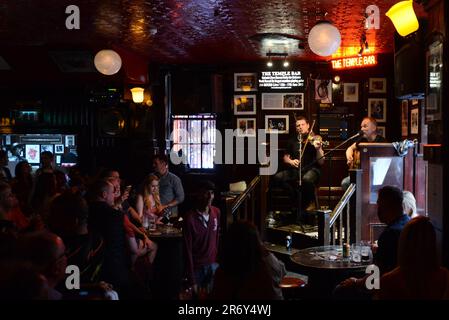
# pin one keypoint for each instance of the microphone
(357, 135)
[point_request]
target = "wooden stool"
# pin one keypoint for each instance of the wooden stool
(291, 287)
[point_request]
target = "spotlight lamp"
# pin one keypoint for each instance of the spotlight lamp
(286, 64)
(269, 63)
(403, 17)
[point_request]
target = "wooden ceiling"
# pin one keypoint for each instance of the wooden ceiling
(190, 31)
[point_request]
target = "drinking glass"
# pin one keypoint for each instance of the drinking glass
(365, 251)
(356, 253)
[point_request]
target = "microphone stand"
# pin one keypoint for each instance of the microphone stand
(298, 218)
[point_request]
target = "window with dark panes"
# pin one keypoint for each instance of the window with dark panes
(194, 138)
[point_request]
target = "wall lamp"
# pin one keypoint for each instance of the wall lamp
(403, 17)
(277, 54)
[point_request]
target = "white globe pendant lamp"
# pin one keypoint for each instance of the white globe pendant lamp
(107, 62)
(324, 39)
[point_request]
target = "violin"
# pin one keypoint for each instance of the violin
(318, 138)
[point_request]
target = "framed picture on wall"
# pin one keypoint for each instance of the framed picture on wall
(381, 131)
(377, 85)
(350, 92)
(279, 101)
(245, 81)
(377, 108)
(404, 118)
(47, 147)
(276, 124)
(414, 121)
(246, 127)
(244, 104)
(59, 148)
(32, 153)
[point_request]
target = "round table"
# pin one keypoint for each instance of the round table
(326, 267)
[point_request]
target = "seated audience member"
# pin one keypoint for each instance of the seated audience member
(45, 251)
(419, 274)
(21, 281)
(22, 186)
(201, 232)
(44, 193)
(148, 202)
(47, 163)
(244, 273)
(409, 204)
(108, 222)
(138, 242)
(7, 201)
(5, 174)
(390, 212)
(68, 219)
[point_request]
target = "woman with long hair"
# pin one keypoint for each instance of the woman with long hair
(419, 274)
(148, 202)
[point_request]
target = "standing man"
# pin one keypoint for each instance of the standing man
(201, 238)
(171, 191)
(369, 129)
(311, 161)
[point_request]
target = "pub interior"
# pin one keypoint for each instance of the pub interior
(217, 150)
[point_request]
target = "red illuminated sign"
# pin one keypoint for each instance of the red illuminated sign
(354, 62)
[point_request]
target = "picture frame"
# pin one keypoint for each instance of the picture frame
(246, 127)
(377, 85)
(32, 153)
(434, 79)
(59, 148)
(244, 104)
(245, 82)
(323, 91)
(47, 147)
(414, 121)
(277, 124)
(377, 109)
(69, 140)
(350, 92)
(381, 131)
(283, 101)
(404, 118)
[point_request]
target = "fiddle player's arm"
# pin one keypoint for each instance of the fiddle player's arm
(350, 154)
(317, 143)
(291, 162)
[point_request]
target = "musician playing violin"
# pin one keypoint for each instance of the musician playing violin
(310, 159)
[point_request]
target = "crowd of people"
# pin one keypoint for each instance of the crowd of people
(50, 221)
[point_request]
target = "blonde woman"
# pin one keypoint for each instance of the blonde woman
(148, 202)
(409, 204)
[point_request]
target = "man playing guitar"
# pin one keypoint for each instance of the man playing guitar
(369, 129)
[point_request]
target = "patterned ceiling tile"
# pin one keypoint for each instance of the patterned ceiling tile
(191, 31)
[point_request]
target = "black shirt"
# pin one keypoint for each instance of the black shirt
(309, 155)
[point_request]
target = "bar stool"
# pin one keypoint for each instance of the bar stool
(292, 287)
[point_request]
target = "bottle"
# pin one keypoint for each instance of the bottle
(346, 250)
(288, 242)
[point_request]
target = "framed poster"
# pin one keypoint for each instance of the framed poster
(414, 121)
(404, 118)
(59, 148)
(245, 81)
(246, 127)
(434, 66)
(323, 91)
(69, 141)
(276, 124)
(283, 101)
(32, 153)
(47, 147)
(377, 108)
(377, 85)
(244, 104)
(350, 92)
(381, 131)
